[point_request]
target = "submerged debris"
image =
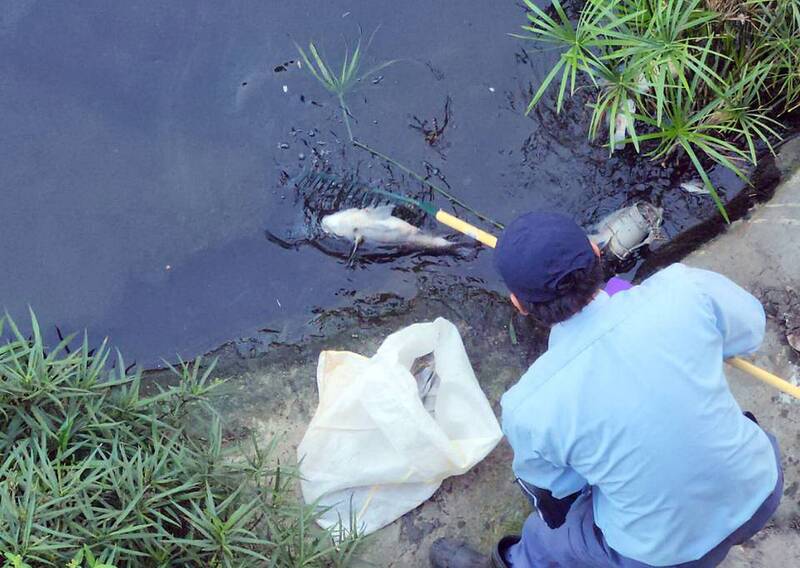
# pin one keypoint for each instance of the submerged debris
(628, 229)
(284, 66)
(695, 186)
(434, 129)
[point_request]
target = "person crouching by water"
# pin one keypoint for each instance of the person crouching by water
(626, 437)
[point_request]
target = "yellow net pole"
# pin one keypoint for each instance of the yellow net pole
(753, 370)
(763, 375)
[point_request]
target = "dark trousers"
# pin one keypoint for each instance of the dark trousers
(579, 543)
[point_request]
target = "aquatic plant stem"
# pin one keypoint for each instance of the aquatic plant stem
(346, 117)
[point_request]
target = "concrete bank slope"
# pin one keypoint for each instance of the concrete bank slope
(761, 252)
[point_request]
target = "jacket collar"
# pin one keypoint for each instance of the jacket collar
(562, 331)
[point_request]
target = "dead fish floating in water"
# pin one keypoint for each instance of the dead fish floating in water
(378, 226)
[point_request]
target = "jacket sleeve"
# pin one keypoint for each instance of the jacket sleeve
(533, 469)
(738, 315)
(550, 483)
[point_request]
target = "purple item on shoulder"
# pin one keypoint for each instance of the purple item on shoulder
(617, 284)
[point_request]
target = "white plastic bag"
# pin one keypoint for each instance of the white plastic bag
(372, 451)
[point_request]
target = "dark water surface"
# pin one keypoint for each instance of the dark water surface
(146, 145)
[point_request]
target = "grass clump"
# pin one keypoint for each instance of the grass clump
(97, 474)
(346, 79)
(707, 79)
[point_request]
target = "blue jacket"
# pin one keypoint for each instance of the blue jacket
(631, 398)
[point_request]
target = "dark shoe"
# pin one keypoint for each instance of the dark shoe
(452, 553)
(500, 549)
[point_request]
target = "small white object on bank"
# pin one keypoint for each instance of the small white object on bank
(623, 124)
(695, 186)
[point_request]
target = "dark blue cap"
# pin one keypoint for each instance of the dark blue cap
(537, 250)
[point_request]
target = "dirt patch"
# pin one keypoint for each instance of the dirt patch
(783, 305)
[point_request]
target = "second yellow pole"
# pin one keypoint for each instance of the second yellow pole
(754, 371)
